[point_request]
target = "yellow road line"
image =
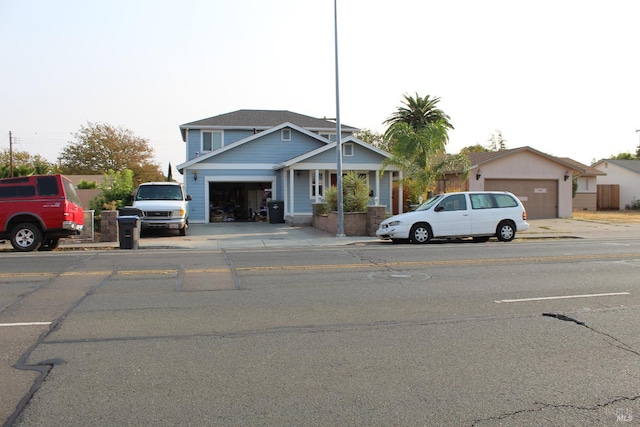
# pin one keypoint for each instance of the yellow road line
(424, 263)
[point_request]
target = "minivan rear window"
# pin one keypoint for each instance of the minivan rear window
(491, 201)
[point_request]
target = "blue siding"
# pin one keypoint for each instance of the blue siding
(360, 155)
(194, 140)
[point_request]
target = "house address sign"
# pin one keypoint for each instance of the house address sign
(539, 190)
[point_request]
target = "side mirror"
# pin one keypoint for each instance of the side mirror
(188, 197)
(438, 208)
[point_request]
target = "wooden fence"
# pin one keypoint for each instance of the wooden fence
(608, 197)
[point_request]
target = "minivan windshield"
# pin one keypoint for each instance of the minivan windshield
(430, 202)
(159, 192)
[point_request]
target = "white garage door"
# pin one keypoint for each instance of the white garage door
(539, 197)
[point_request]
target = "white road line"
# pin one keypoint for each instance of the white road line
(25, 324)
(611, 294)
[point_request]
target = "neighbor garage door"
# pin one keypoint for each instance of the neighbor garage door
(539, 197)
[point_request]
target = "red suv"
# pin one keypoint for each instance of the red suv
(36, 211)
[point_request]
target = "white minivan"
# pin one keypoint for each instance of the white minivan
(476, 214)
(164, 205)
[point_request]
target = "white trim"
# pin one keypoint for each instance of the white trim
(232, 166)
(291, 194)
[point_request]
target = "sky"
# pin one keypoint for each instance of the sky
(560, 76)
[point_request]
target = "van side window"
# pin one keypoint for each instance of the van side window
(481, 201)
(505, 201)
(454, 203)
(47, 186)
(17, 191)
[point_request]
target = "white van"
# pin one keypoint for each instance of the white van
(476, 214)
(164, 205)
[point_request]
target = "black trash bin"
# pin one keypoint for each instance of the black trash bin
(129, 227)
(275, 209)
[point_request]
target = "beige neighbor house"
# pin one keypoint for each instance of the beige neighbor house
(542, 182)
(623, 174)
(586, 195)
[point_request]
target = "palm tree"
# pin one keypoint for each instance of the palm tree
(422, 155)
(418, 112)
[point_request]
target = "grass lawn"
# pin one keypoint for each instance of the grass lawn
(622, 216)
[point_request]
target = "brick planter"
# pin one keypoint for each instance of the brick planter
(355, 223)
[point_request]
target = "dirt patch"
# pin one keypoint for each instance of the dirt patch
(610, 216)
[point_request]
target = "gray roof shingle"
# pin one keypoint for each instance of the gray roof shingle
(249, 119)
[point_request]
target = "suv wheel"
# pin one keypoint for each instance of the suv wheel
(49, 244)
(26, 237)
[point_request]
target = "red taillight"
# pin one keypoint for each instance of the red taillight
(524, 215)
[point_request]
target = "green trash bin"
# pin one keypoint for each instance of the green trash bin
(275, 209)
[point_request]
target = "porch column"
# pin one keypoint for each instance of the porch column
(376, 195)
(317, 186)
(291, 205)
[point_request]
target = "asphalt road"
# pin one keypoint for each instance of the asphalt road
(523, 333)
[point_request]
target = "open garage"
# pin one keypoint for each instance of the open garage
(238, 201)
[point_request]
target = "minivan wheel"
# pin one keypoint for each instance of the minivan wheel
(420, 233)
(26, 237)
(506, 231)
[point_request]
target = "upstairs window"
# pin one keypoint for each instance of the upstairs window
(347, 149)
(211, 140)
(329, 136)
(286, 134)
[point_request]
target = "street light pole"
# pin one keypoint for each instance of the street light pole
(338, 131)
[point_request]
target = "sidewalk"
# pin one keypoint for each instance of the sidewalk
(228, 235)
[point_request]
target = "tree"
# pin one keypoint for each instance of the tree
(625, 156)
(100, 147)
(115, 191)
(422, 155)
(474, 149)
(370, 137)
(497, 142)
(24, 164)
(418, 112)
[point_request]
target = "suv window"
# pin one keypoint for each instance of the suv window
(47, 186)
(17, 191)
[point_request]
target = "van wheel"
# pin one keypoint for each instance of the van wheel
(26, 237)
(49, 244)
(506, 231)
(420, 233)
(183, 230)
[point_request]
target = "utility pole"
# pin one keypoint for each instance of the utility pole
(338, 131)
(10, 154)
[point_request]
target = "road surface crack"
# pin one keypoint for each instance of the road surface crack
(610, 339)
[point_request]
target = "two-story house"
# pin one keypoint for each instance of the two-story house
(239, 161)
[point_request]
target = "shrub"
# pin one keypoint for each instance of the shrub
(355, 194)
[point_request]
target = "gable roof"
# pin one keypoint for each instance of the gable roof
(255, 136)
(332, 146)
(261, 120)
(632, 165)
(584, 169)
(476, 159)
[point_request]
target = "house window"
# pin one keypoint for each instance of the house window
(329, 136)
(312, 183)
(347, 149)
(286, 134)
(211, 141)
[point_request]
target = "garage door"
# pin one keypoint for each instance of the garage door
(539, 197)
